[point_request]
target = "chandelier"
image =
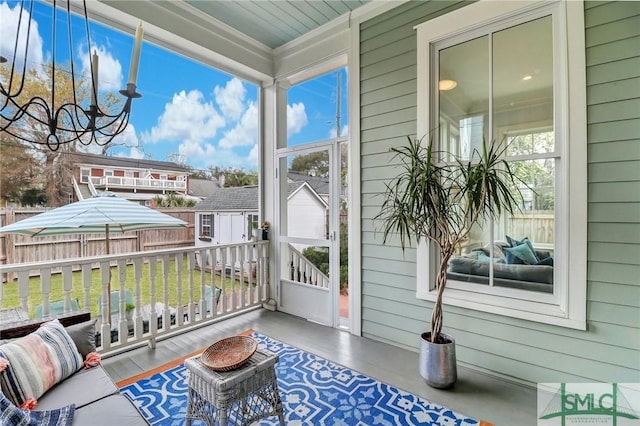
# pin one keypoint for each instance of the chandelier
(62, 123)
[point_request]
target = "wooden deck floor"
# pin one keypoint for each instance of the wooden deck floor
(475, 394)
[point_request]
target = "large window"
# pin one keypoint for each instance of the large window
(498, 71)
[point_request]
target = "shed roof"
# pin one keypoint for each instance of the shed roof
(203, 187)
(243, 198)
(318, 183)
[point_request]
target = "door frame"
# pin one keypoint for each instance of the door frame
(332, 146)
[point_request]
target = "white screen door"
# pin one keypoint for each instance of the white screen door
(309, 195)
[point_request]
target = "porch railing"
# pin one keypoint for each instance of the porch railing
(302, 271)
(169, 292)
(138, 183)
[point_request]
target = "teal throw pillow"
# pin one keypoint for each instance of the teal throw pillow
(522, 252)
(546, 261)
(515, 243)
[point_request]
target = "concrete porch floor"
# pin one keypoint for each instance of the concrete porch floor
(476, 394)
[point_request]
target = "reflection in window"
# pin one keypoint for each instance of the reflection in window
(503, 92)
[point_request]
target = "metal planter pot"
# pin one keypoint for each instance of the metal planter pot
(438, 361)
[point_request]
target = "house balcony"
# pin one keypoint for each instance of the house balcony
(172, 292)
(135, 184)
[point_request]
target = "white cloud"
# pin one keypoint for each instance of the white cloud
(252, 158)
(296, 118)
(109, 68)
(231, 158)
(186, 118)
(343, 132)
(245, 133)
(197, 152)
(136, 153)
(128, 137)
(9, 29)
(230, 98)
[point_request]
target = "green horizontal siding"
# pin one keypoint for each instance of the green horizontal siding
(607, 152)
(609, 350)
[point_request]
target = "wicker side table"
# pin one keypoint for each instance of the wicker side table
(237, 397)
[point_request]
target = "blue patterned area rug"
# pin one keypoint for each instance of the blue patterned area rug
(314, 391)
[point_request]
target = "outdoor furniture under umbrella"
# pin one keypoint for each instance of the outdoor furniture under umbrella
(103, 213)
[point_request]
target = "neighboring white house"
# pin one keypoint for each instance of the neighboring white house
(231, 214)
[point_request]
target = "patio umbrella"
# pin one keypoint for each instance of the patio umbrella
(103, 213)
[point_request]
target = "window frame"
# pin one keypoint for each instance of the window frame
(85, 174)
(567, 305)
(201, 225)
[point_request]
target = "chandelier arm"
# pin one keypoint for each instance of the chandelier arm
(80, 119)
(24, 110)
(121, 126)
(80, 130)
(29, 121)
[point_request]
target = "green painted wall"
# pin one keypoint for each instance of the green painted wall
(609, 350)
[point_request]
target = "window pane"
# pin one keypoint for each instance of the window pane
(536, 219)
(518, 250)
(522, 76)
(205, 225)
(463, 82)
(317, 109)
(529, 143)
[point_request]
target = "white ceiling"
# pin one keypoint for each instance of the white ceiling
(247, 38)
(274, 23)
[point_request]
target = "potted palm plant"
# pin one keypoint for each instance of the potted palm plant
(440, 202)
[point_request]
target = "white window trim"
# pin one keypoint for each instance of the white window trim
(567, 307)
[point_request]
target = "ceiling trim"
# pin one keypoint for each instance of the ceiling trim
(325, 42)
(185, 30)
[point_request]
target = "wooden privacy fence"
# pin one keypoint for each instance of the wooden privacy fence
(24, 249)
(537, 225)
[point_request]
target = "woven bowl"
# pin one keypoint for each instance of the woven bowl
(230, 353)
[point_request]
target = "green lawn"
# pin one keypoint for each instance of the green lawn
(11, 297)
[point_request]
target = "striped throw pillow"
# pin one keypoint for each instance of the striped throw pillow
(37, 362)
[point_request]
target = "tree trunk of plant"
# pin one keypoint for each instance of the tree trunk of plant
(441, 282)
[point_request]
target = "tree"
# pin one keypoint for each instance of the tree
(56, 171)
(234, 177)
(539, 175)
(33, 197)
(172, 199)
(319, 257)
(314, 164)
(19, 169)
(199, 174)
(317, 164)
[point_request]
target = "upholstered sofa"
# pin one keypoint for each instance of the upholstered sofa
(474, 267)
(96, 398)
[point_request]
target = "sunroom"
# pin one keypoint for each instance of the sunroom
(568, 107)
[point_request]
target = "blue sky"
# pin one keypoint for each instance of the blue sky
(187, 111)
